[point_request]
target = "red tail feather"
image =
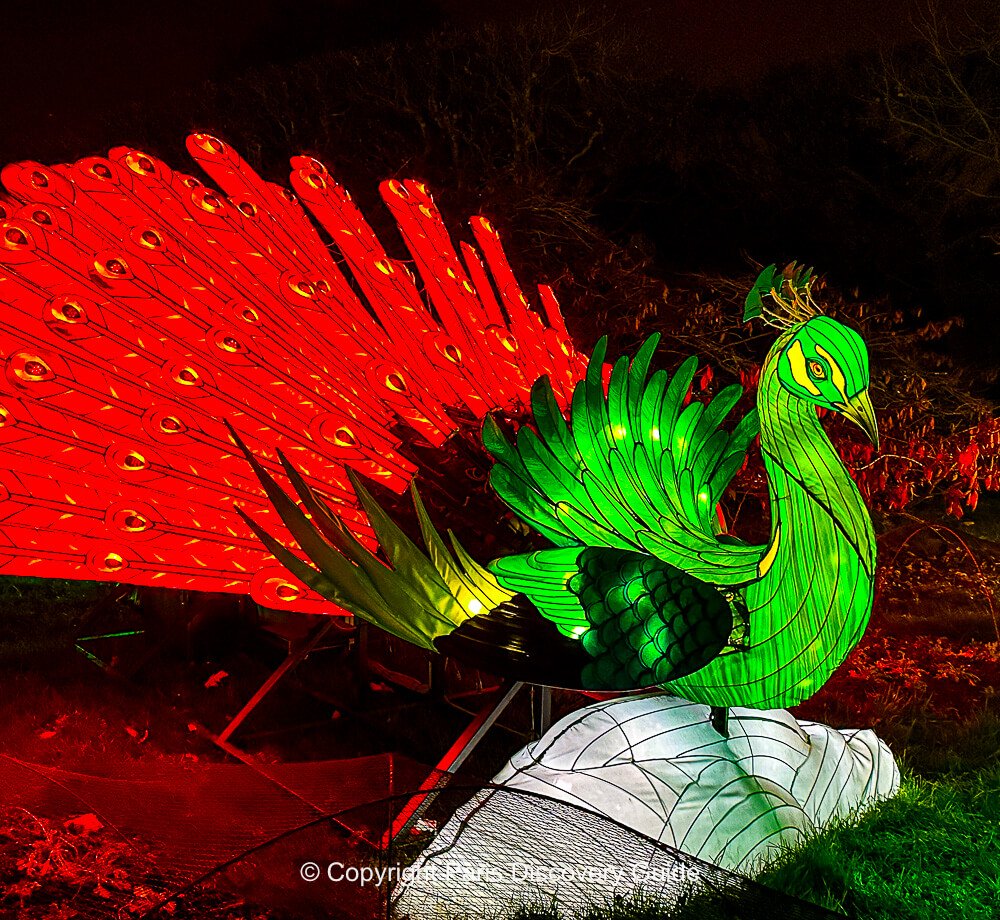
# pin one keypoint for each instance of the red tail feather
(140, 309)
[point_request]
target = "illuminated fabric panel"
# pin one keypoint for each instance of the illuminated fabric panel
(652, 764)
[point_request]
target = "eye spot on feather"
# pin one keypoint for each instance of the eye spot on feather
(344, 437)
(187, 376)
(209, 144)
(132, 521)
(133, 460)
(33, 369)
(287, 592)
(170, 424)
(395, 382)
(207, 200)
(15, 238)
(150, 239)
(139, 163)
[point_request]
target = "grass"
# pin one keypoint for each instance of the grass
(690, 905)
(932, 851)
(640, 907)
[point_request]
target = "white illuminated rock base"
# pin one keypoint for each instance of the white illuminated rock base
(655, 765)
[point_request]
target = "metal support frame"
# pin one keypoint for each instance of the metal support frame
(297, 653)
(541, 710)
(486, 717)
(261, 769)
(456, 755)
(368, 669)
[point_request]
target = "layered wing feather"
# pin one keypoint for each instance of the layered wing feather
(419, 596)
(639, 467)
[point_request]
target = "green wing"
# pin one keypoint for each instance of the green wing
(636, 469)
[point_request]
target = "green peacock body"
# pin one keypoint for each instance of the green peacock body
(640, 588)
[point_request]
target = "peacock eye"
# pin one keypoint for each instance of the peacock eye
(817, 371)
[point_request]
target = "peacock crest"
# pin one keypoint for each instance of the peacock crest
(783, 298)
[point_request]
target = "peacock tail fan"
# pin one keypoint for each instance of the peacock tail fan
(142, 308)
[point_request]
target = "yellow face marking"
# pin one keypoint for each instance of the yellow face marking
(768, 559)
(836, 374)
(797, 360)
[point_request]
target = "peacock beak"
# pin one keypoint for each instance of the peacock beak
(859, 410)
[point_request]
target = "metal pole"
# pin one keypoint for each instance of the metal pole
(452, 760)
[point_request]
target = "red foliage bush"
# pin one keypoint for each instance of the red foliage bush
(947, 674)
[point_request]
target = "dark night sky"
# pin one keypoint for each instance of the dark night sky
(64, 64)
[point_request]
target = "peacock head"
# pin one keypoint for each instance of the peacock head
(826, 363)
(821, 361)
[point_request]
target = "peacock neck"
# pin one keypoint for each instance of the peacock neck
(812, 604)
(812, 601)
(812, 494)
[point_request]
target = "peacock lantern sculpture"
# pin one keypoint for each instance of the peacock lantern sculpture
(149, 323)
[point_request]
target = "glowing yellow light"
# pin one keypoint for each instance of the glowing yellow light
(475, 605)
